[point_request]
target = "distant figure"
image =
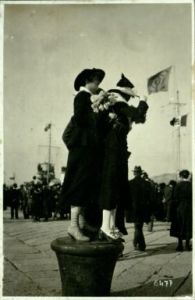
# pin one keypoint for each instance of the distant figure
(46, 202)
(159, 210)
(150, 199)
(37, 201)
(181, 211)
(14, 201)
(168, 196)
(140, 207)
(5, 196)
(24, 201)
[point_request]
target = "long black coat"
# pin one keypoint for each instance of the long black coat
(114, 189)
(114, 178)
(140, 200)
(80, 179)
(181, 211)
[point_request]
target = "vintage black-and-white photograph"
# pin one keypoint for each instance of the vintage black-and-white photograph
(98, 134)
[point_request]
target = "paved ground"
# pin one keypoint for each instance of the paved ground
(30, 266)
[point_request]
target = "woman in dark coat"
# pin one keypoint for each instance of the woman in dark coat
(81, 138)
(181, 211)
(114, 184)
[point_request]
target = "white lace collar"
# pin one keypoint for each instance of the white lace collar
(83, 88)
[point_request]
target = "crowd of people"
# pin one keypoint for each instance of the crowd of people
(148, 202)
(36, 199)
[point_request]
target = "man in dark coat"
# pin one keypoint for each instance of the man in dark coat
(159, 210)
(140, 205)
(37, 207)
(80, 136)
(168, 196)
(149, 194)
(181, 211)
(24, 201)
(46, 201)
(14, 201)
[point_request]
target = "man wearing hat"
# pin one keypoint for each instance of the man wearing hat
(81, 138)
(139, 206)
(114, 184)
(14, 201)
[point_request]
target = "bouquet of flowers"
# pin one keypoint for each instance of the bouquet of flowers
(115, 105)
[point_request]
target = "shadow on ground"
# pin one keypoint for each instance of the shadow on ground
(160, 288)
(164, 249)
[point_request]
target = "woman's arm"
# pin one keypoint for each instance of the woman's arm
(82, 109)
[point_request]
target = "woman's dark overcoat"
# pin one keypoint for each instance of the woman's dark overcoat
(181, 211)
(79, 183)
(114, 179)
(114, 189)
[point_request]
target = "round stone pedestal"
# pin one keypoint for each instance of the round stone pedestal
(86, 268)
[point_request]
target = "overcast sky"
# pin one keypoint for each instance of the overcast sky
(46, 46)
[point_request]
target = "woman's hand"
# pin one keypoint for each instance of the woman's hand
(114, 98)
(144, 98)
(97, 99)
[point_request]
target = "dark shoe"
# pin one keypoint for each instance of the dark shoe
(123, 231)
(141, 248)
(120, 255)
(90, 229)
(110, 237)
(135, 245)
(179, 248)
(188, 248)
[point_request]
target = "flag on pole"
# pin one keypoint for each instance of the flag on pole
(48, 127)
(159, 82)
(184, 120)
(181, 121)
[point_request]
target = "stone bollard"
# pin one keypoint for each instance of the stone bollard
(86, 268)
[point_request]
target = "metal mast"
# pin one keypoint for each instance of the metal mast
(49, 154)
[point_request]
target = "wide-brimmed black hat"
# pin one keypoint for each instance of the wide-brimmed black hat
(87, 74)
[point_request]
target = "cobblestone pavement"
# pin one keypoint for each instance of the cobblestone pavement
(30, 266)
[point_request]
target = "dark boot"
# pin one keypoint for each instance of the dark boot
(74, 230)
(180, 245)
(188, 247)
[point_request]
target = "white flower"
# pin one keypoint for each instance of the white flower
(112, 116)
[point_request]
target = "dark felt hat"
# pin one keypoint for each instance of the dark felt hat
(126, 86)
(184, 174)
(87, 74)
(125, 82)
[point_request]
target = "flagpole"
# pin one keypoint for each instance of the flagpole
(49, 154)
(178, 131)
